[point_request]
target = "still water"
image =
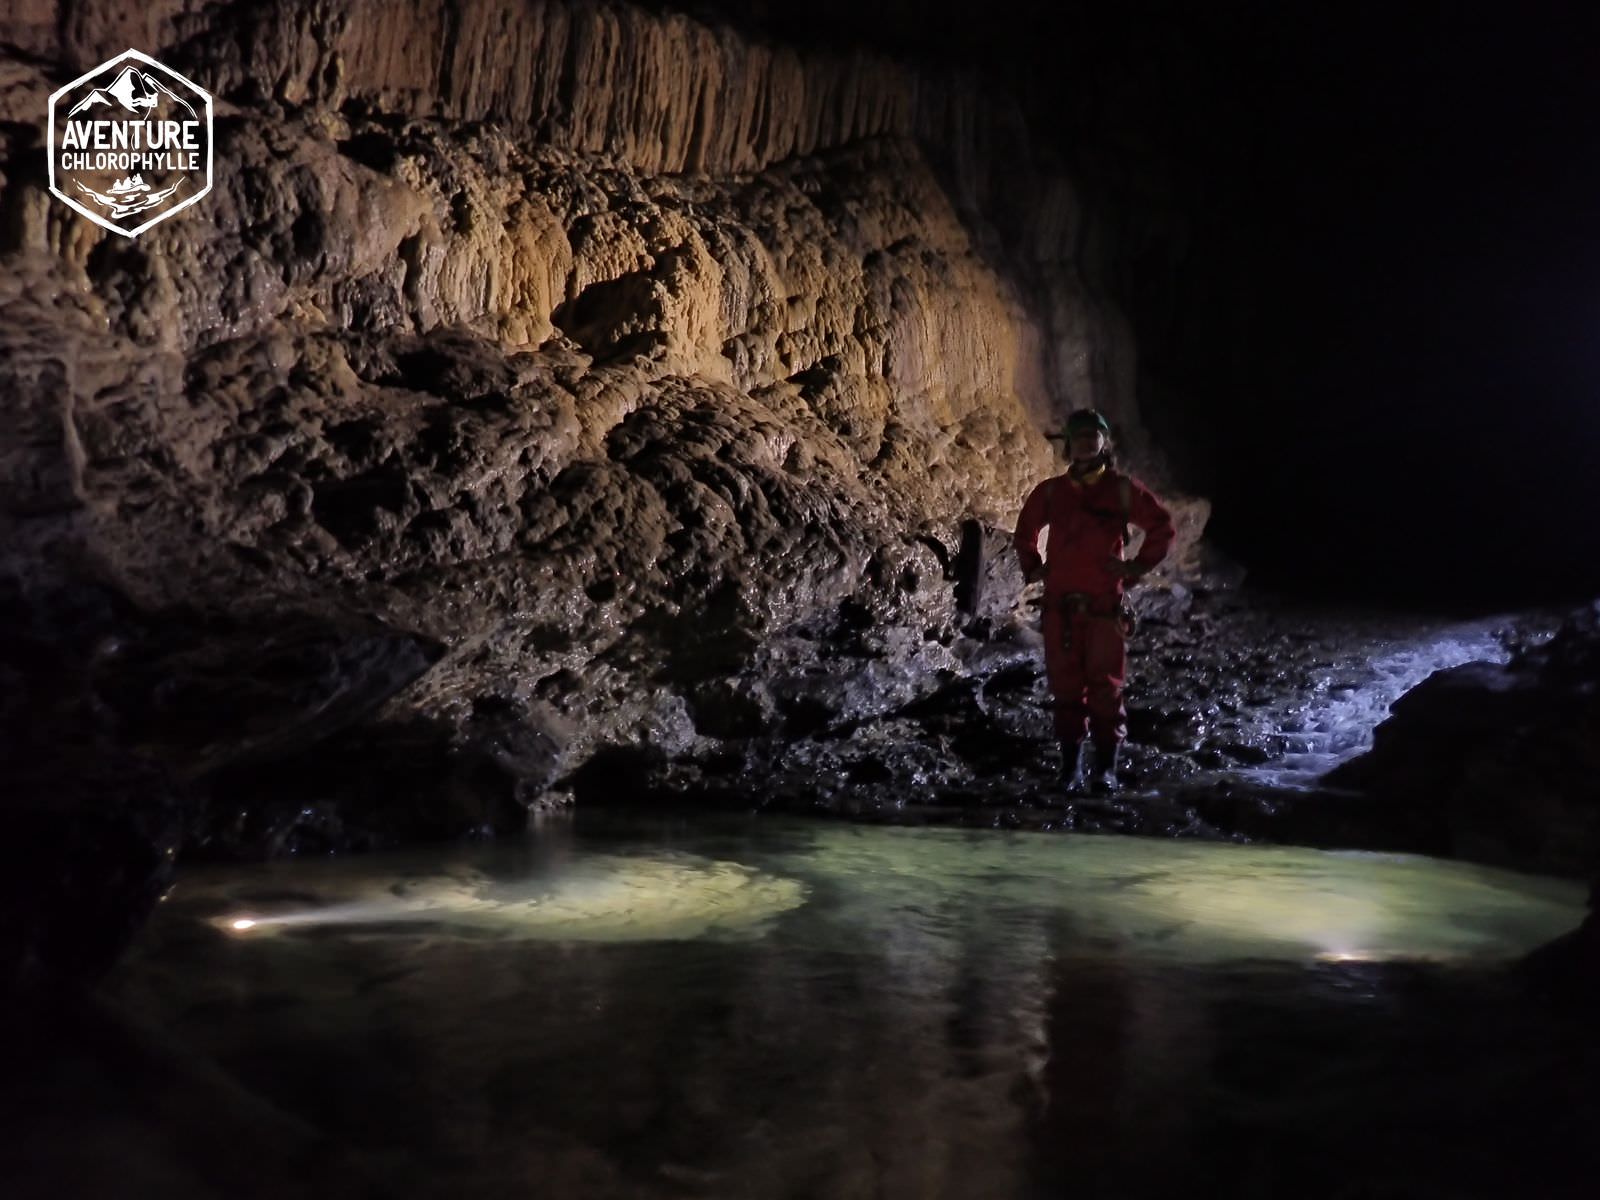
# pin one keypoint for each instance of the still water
(779, 1008)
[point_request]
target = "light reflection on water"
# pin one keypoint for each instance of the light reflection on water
(1200, 903)
(606, 898)
(1186, 900)
(783, 1008)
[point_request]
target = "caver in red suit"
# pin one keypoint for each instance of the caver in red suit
(1087, 510)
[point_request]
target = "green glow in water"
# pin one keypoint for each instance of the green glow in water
(636, 1007)
(1184, 901)
(1206, 902)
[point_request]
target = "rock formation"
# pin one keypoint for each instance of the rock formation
(604, 358)
(1501, 762)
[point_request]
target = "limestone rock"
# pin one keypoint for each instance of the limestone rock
(649, 374)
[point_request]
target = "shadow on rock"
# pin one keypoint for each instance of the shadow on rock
(124, 733)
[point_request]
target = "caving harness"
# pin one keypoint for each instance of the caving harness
(1072, 604)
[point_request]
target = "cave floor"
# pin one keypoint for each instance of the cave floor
(1236, 710)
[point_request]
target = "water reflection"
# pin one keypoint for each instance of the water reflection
(836, 1011)
(605, 898)
(1197, 902)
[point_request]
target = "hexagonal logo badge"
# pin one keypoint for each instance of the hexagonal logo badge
(130, 143)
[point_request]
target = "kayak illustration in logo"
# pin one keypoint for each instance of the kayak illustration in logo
(130, 143)
(128, 196)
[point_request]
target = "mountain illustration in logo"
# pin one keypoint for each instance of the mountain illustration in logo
(138, 92)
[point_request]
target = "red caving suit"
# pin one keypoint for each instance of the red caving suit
(1085, 645)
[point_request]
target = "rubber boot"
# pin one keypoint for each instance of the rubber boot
(1074, 767)
(1103, 775)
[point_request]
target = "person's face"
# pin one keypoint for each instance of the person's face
(1086, 445)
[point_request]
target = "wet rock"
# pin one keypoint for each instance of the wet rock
(1212, 700)
(1169, 729)
(597, 401)
(1165, 601)
(1502, 758)
(122, 728)
(206, 695)
(1245, 752)
(382, 785)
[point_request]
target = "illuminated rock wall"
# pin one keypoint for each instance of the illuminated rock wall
(616, 355)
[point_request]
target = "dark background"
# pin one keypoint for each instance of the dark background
(1360, 245)
(1418, 238)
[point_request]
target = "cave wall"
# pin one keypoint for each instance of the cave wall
(616, 354)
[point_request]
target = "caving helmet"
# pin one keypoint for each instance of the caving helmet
(1087, 420)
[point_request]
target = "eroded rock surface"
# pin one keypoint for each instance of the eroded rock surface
(616, 366)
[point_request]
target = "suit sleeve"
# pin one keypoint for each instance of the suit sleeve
(1150, 515)
(1032, 520)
